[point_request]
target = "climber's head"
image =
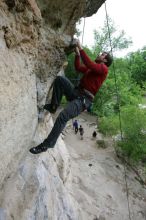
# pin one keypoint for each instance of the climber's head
(105, 58)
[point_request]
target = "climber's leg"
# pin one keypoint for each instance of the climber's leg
(61, 86)
(72, 110)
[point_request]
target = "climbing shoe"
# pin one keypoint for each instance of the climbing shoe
(50, 108)
(38, 149)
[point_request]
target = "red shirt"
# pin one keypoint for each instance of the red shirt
(94, 73)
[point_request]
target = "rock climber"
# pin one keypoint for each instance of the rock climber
(79, 98)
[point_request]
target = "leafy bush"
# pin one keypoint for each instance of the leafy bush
(134, 131)
(133, 121)
(105, 99)
(109, 125)
(138, 66)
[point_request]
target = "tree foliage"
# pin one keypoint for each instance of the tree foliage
(117, 41)
(134, 129)
(137, 64)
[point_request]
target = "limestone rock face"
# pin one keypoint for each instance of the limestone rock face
(33, 37)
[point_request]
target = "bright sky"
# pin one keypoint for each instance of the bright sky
(128, 15)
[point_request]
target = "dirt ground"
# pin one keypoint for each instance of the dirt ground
(102, 187)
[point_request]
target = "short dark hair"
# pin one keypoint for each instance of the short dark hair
(109, 59)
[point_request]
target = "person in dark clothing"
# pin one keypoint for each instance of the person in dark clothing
(81, 131)
(80, 98)
(76, 126)
(94, 134)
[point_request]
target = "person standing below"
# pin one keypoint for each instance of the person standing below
(75, 126)
(80, 98)
(94, 134)
(81, 131)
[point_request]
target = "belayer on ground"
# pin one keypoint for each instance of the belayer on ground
(94, 134)
(79, 98)
(81, 131)
(76, 126)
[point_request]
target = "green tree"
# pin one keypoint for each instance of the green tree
(118, 39)
(134, 130)
(137, 64)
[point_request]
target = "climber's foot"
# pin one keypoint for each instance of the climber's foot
(38, 149)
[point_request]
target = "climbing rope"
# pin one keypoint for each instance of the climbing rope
(115, 77)
(83, 31)
(119, 111)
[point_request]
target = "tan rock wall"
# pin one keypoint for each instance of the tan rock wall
(18, 108)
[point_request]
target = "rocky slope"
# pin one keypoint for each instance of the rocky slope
(104, 187)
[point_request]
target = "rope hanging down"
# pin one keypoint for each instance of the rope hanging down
(118, 103)
(116, 86)
(83, 31)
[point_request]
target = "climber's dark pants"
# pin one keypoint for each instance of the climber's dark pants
(77, 103)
